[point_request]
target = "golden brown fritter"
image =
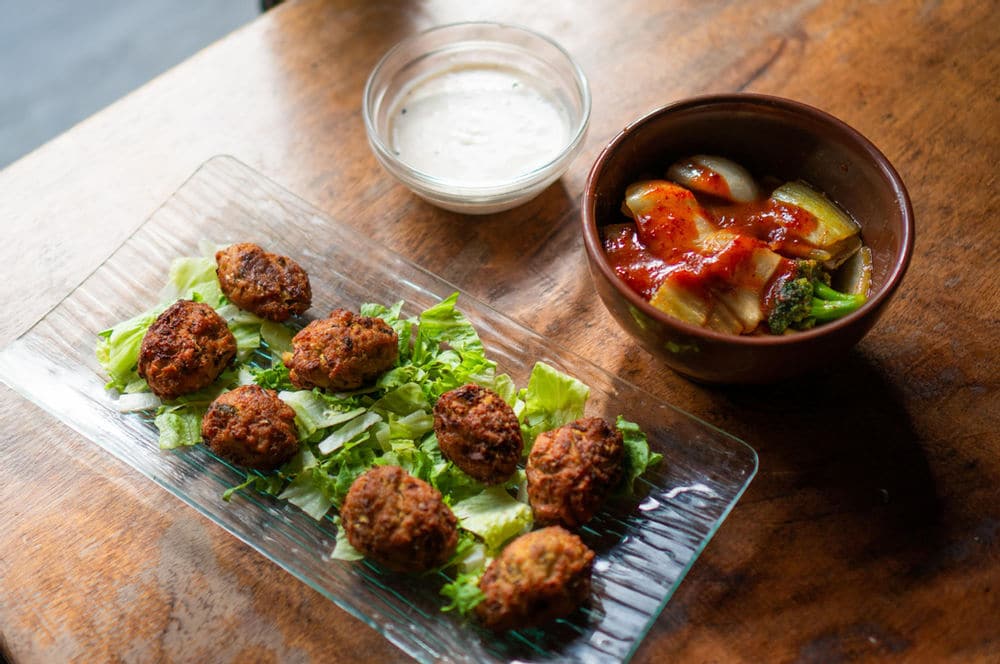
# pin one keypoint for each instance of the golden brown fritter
(399, 521)
(251, 427)
(185, 349)
(478, 432)
(270, 285)
(539, 577)
(342, 352)
(572, 469)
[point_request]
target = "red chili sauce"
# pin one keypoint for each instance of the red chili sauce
(660, 244)
(770, 221)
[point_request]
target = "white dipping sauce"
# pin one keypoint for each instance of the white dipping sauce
(478, 125)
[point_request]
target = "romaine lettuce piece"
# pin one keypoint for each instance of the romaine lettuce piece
(343, 550)
(494, 516)
(278, 337)
(275, 377)
(314, 411)
(406, 399)
(190, 276)
(270, 485)
(551, 400)
(308, 494)
(464, 593)
(413, 426)
(349, 431)
(118, 349)
(445, 476)
(444, 324)
(637, 455)
(179, 426)
(137, 402)
(407, 456)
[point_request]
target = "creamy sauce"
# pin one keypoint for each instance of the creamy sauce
(478, 125)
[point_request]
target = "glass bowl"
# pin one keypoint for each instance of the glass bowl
(476, 117)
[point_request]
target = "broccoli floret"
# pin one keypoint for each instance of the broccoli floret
(805, 298)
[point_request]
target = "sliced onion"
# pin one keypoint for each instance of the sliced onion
(833, 225)
(716, 176)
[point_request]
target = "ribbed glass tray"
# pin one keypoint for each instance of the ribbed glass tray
(644, 547)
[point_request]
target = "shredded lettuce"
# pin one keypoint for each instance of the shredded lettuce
(266, 484)
(136, 402)
(351, 431)
(343, 435)
(406, 399)
(444, 324)
(315, 411)
(308, 494)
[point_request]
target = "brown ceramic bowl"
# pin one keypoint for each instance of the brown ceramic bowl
(768, 136)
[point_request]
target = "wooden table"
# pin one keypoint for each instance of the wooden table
(873, 529)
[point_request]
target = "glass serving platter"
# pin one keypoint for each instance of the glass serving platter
(644, 546)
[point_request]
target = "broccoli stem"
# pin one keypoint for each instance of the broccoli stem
(829, 304)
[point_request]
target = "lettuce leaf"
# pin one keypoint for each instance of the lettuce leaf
(179, 426)
(278, 337)
(637, 455)
(274, 378)
(343, 550)
(464, 593)
(190, 278)
(551, 400)
(315, 411)
(448, 352)
(413, 426)
(494, 516)
(267, 484)
(350, 431)
(410, 458)
(118, 349)
(445, 476)
(444, 324)
(406, 399)
(307, 492)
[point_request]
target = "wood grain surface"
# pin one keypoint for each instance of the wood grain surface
(872, 532)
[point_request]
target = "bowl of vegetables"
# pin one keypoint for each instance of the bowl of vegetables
(743, 238)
